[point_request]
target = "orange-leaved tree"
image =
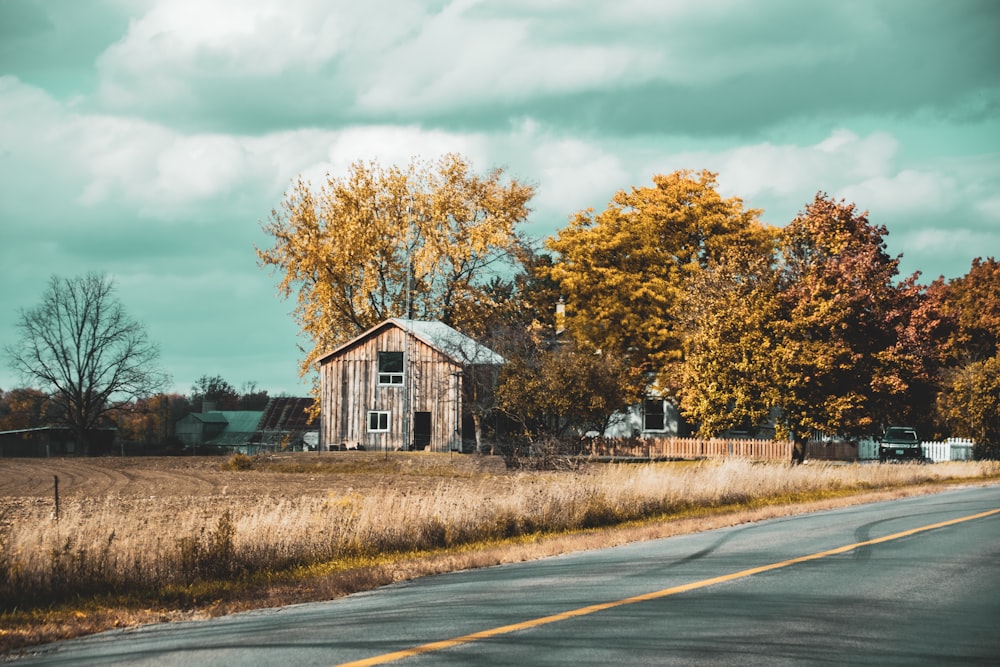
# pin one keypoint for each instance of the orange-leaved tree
(24, 408)
(838, 365)
(972, 303)
(969, 401)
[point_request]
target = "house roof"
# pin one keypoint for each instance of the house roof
(446, 340)
(213, 417)
(243, 421)
(240, 425)
(286, 413)
(53, 427)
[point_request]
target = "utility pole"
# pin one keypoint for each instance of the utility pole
(407, 366)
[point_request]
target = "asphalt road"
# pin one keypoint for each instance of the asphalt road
(913, 581)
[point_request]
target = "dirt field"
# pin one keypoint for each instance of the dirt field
(31, 482)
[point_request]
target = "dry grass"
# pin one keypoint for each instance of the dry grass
(120, 559)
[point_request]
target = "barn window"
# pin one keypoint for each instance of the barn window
(390, 368)
(378, 421)
(654, 415)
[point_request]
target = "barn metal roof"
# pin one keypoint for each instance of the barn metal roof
(286, 413)
(456, 345)
(438, 335)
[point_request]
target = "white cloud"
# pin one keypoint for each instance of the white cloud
(99, 161)
(36, 132)
(172, 136)
(399, 144)
(908, 191)
(172, 52)
(944, 241)
(789, 169)
(573, 173)
(159, 171)
(234, 37)
(570, 173)
(459, 59)
(376, 55)
(782, 178)
(19, 101)
(947, 249)
(116, 156)
(198, 167)
(402, 58)
(990, 209)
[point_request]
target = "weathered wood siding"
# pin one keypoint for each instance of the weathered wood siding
(350, 390)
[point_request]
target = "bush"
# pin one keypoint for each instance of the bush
(210, 555)
(240, 461)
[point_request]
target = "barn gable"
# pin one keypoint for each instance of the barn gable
(398, 385)
(457, 346)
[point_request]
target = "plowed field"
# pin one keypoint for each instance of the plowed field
(31, 482)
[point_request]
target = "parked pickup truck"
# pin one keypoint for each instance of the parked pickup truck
(900, 443)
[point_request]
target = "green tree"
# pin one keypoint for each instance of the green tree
(567, 388)
(510, 306)
(519, 321)
(624, 271)
(216, 390)
(80, 346)
(391, 242)
(253, 397)
(837, 362)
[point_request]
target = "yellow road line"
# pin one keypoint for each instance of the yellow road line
(591, 609)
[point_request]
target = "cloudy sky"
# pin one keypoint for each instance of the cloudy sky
(149, 139)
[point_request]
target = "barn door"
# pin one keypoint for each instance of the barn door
(421, 430)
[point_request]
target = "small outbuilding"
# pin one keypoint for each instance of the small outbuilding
(45, 441)
(283, 425)
(403, 384)
(218, 428)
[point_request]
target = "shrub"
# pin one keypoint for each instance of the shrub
(240, 461)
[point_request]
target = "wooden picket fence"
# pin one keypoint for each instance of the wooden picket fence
(690, 448)
(953, 449)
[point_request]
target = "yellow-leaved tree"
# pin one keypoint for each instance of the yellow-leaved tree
(624, 271)
(728, 309)
(381, 240)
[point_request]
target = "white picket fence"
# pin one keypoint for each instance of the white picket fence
(952, 449)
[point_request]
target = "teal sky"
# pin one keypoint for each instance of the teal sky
(149, 139)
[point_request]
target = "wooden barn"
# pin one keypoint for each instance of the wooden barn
(403, 384)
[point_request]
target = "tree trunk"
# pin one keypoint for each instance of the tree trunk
(80, 438)
(798, 450)
(477, 421)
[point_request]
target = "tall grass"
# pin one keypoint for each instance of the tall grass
(148, 546)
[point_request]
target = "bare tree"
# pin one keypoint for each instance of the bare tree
(81, 347)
